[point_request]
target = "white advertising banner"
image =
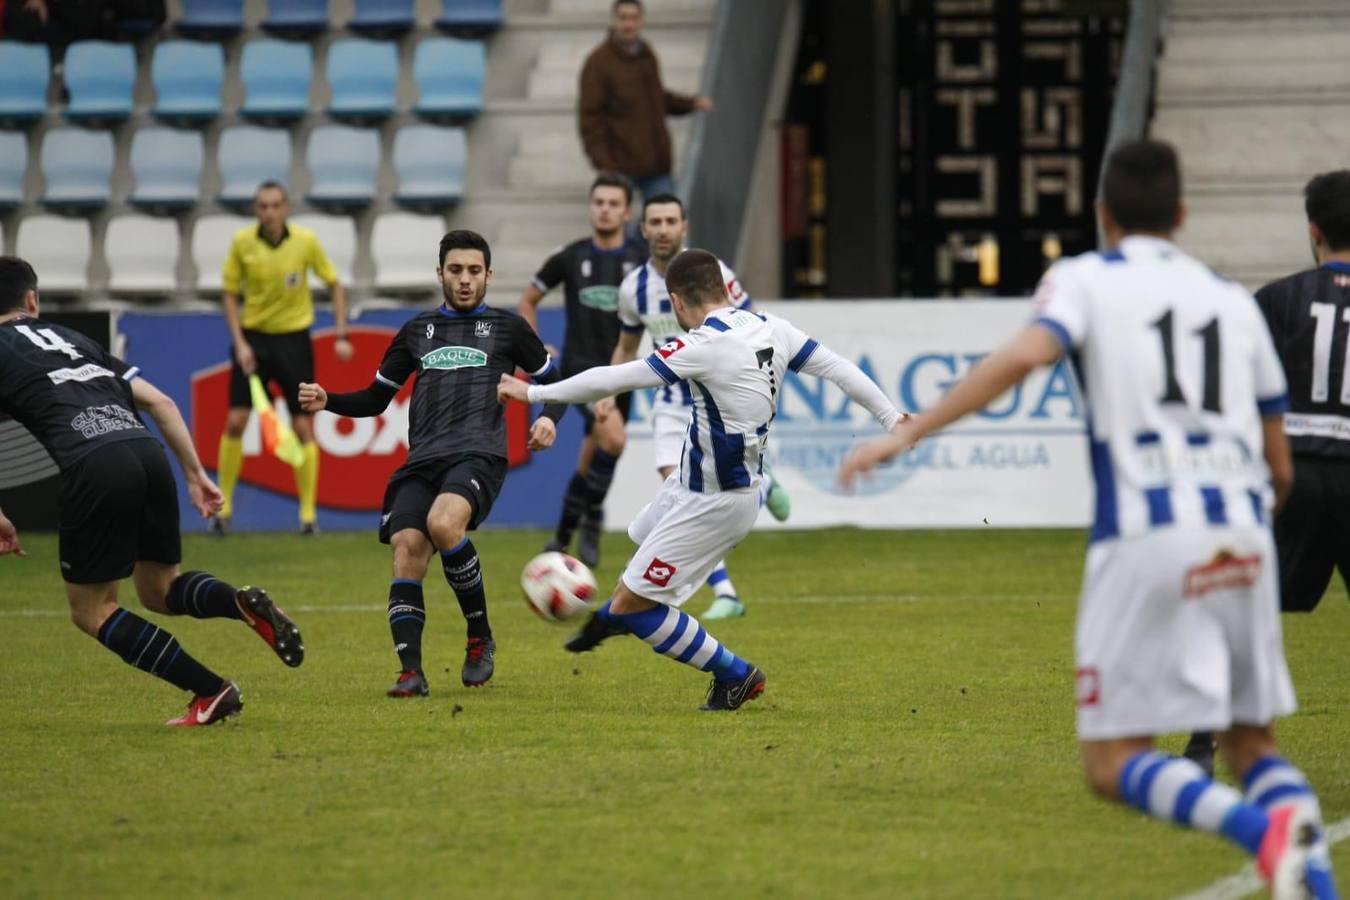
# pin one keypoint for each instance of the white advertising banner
(1022, 461)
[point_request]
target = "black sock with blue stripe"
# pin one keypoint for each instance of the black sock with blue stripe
(407, 617)
(202, 596)
(465, 575)
(152, 649)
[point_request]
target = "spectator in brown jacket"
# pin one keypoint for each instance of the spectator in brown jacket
(623, 107)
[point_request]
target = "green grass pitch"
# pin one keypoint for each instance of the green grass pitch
(916, 739)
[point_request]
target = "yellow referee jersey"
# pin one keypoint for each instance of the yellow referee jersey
(273, 280)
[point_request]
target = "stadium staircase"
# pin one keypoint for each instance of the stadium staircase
(1256, 97)
(527, 173)
(512, 162)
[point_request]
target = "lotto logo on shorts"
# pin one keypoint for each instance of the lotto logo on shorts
(1226, 571)
(1088, 686)
(667, 349)
(659, 573)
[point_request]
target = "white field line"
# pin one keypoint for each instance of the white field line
(55, 612)
(1247, 882)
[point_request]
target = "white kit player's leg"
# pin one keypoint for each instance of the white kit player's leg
(682, 536)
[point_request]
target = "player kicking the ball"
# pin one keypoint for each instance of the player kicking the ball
(119, 504)
(1179, 619)
(456, 448)
(734, 362)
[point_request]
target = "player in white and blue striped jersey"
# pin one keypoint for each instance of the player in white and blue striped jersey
(1178, 622)
(645, 306)
(734, 362)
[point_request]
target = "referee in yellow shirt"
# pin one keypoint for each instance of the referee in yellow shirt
(268, 266)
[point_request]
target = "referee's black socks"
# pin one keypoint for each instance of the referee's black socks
(466, 579)
(152, 649)
(202, 596)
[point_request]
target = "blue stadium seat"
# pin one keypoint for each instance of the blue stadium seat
(382, 18)
(212, 18)
(449, 75)
(430, 162)
(248, 156)
(101, 76)
(23, 90)
(276, 78)
(363, 75)
(296, 18)
(78, 164)
(343, 162)
(13, 161)
(167, 166)
(470, 18)
(188, 76)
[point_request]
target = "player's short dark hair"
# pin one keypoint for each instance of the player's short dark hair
(614, 179)
(17, 278)
(463, 239)
(1142, 186)
(1327, 201)
(269, 185)
(663, 197)
(696, 276)
(614, 7)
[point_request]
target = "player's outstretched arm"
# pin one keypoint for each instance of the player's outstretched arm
(1035, 346)
(369, 401)
(9, 537)
(205, 496)
(602, 381)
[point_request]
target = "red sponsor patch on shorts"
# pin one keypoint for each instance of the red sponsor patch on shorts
(1226, 571)
(666, 350)
(1088, 686)
(659, 573)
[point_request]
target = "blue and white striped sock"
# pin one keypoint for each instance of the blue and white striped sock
(1274, 780)
(720, 581)
(1177, 790)
(680, 636)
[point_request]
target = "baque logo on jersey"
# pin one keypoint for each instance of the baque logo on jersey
(454, 358)
(602, 297)
(357, 455)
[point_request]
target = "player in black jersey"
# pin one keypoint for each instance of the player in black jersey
(590, 271)
(119, 504)
(456, 447)
(1309, 318)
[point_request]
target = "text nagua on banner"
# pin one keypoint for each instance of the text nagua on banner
(1022, 461)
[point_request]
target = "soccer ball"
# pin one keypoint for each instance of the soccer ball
(557, 587)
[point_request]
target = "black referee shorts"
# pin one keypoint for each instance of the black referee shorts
(286, 358)
(1312, 532)
(412, 490)
(623, 403)
(119, 505)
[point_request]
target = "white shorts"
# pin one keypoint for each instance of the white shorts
(681, 536)
(670, 424)
(1180, 631)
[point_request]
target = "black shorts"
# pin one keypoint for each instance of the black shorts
(287, 359)
(623, 402)
(119, 505)
(412, 489)
(1312, 532)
